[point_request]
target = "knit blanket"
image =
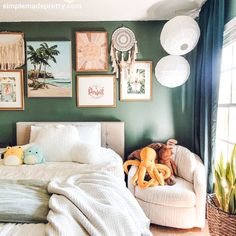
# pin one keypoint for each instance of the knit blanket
(24, 201)
(94, 203)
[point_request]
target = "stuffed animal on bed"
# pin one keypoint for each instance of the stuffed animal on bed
(33, 155)
(13, 156)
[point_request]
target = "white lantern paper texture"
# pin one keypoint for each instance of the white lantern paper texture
(180, 35)
(172, 71)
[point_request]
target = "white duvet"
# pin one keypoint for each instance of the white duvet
(111, 162)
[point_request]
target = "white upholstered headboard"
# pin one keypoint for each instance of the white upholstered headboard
(112, 133)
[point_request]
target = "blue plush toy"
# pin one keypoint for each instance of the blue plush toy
(33, 155)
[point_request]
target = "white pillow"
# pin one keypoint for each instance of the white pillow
(34, 130)
(89, 133)
(57, 141)
(85, 153)
(93, 154)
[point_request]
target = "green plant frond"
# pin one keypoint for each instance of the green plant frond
(229, 175)
(30, 47)
(222, 169)
(233, 162)
(225, 182)
(232, 202)
(219, 190)
(44, 45)
(233, 154)
(54, 47)
(234, 182)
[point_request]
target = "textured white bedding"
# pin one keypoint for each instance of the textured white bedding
(47, 171)
(111, 162)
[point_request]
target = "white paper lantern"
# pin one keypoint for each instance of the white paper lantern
(172, 71)
(180, 35)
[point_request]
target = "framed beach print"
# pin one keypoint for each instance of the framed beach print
(49, 69)
(91, 51)
(96, 91)
(136, 82)
(11, 90)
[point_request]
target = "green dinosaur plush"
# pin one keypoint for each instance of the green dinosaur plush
(33, 155)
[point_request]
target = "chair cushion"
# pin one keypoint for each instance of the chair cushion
(179, 195)
(185, 161)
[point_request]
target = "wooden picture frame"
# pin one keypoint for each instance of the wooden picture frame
(136, 83)
(96, 91)
(49, 69)
(11, 90)
(91, 51)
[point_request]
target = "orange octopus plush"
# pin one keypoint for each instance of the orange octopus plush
(157, 172)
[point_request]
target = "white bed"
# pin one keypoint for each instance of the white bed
(112, 137)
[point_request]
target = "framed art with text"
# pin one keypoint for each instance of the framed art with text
(91, 51)
(11, 90)
(96, 91)
(136, 82)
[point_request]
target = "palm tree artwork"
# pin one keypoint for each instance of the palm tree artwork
(41, 56)
(49, 69)
(49, 54)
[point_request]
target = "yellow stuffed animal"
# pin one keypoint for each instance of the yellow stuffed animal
(157, 172)
(13, 156)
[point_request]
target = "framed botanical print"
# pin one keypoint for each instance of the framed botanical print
(11, 90)
(49, 69)
(91, 51)
(136, 82)
(96, 91)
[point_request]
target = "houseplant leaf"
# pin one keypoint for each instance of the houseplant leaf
(232, 201)
(219, 190)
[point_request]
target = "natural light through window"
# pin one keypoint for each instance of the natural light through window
(226, 120)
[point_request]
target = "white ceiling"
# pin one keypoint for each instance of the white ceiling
(96, 10)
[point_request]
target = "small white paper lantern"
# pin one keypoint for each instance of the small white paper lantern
(172, 71)
(180, 35)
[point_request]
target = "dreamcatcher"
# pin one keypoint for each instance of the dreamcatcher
(123, 50)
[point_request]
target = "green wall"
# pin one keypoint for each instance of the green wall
(230, 10)
(168, 114)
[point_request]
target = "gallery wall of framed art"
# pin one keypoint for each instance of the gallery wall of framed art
(48, 67)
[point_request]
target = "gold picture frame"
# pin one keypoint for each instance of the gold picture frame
(91, 51)
(11, 90)
(96, 91)
(136, 82)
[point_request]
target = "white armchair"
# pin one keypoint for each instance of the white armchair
(181, 205)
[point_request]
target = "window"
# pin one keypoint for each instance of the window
(226, 120)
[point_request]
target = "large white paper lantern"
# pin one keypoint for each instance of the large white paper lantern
(172, 71)
(180, 35)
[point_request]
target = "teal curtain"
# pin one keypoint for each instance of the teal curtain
(206, 78)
